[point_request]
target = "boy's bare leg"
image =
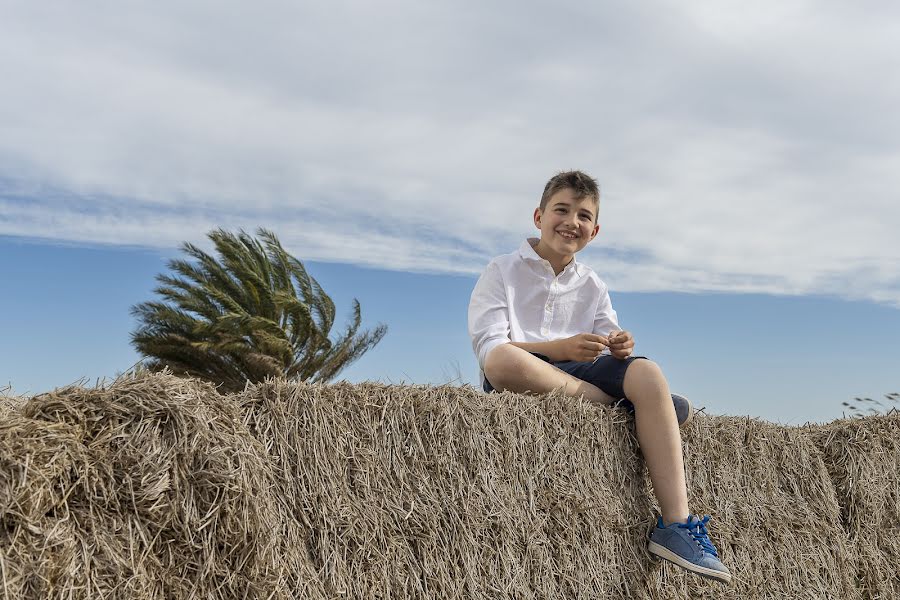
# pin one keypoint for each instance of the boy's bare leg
(657, 430)
(510, 368)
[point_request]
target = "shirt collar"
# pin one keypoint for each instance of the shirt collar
(526, 251)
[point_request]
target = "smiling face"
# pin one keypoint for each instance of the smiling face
(567, 225)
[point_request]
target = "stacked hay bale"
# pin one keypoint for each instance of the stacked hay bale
(149, 489)
(776, 518)
(408, 492)
(159, 487)
(863, 459)
(448, 493)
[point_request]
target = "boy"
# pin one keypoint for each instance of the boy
(540, 320)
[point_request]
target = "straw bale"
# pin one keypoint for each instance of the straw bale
(407, 491)
(446, 492)
(863, 458)
(775, 516)
(159, 487)
(149, 489)
(39, 466)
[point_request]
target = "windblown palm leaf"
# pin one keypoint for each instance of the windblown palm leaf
(253, 313)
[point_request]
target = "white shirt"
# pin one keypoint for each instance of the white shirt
(519, 298)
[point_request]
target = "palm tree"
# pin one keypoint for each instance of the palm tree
(253, 314)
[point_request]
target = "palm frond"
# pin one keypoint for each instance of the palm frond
(251, 313)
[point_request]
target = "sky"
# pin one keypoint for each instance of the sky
(748, 158)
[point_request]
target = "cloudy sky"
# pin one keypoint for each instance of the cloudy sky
(740, 148)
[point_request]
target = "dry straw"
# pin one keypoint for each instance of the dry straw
(863, 458)
(158, 487)
(149, 489)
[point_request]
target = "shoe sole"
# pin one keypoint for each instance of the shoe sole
(665, 553)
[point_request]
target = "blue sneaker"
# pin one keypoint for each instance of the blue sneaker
(688, 546)
(684, 410)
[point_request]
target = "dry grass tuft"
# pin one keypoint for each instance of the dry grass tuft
(158, 487)
(8, 401)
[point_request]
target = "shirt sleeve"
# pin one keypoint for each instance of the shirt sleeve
(605, 319)
(488, 313)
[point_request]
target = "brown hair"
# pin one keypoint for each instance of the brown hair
(581, 184)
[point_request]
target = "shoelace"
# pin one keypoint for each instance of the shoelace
(697, 528)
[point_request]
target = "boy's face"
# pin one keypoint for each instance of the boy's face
(567, 224)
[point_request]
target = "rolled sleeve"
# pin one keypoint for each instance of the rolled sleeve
(488, 314)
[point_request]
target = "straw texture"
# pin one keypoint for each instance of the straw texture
(863, 458)
(408, 492)
(149, 489)
(159, 487)
(776, 518)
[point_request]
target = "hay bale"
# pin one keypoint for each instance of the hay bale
(863, 458)
(412, 491)
(775, 514)
(40, 464)
(151, 489)
(159, 487)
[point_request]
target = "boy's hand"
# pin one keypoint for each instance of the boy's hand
(583, 347)
(621, 344)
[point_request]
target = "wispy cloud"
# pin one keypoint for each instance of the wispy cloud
(739, 148)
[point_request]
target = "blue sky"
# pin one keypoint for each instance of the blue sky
(748, 157)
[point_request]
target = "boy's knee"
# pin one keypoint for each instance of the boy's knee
(645, 369)
(497, 363)
(649, 364)
(503, 363)
(643, 380)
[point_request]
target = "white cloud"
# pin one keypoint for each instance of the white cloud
(739, 149)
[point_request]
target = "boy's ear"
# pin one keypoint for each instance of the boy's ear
(537, 217)
(596, 231)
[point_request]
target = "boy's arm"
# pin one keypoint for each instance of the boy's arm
(605, 319)
(488, 313)
(606, 323)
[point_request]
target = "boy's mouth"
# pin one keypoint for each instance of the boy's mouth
(567, 235)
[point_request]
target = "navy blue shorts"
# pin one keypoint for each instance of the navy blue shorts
(607, 372)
